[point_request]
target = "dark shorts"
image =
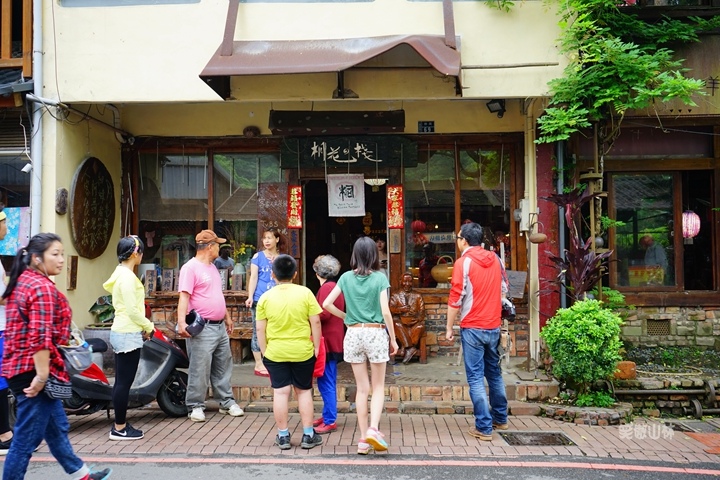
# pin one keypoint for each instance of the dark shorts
(297, 374)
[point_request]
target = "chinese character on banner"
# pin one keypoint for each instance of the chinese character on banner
(294, 206)
(346, 195)
(395, 206)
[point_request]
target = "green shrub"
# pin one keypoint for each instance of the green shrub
(595, 399)
(612, 299)
(584, 342)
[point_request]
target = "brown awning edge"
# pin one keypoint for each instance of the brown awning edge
(260, 57)
(274, 57)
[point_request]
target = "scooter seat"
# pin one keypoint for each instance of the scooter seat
(98, 345)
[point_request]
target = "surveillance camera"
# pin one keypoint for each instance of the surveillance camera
(27, 168)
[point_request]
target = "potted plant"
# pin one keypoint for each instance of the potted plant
(104, 313)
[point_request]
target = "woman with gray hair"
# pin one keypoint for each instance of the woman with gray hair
(326, 269)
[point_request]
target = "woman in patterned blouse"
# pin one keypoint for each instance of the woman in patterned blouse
(38, 320)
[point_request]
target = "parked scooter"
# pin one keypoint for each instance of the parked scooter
(157, 378)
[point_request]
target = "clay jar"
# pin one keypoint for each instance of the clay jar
(625, 371)
(442, 271)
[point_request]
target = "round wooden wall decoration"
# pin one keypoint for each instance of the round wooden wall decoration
(92, 208)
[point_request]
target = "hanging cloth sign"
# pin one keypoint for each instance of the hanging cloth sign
(294, 206)
(395, 206)
(346, 195)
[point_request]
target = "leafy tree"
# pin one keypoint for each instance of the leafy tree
(617, 62)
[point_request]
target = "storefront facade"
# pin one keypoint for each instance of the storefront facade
(183, 158)
(210, 116)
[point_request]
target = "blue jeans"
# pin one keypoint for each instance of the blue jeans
(41, 418)
(327, 384)
(483, 362)
(254, 345)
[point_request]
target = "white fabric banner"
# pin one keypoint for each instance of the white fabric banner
(346, 195)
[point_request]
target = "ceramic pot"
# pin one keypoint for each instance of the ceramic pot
(626, 370)
(442, 271)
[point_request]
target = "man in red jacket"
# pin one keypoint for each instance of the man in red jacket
(475, 296)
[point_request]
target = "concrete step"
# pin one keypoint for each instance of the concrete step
(427, 407)
(440, 386)
(519, 390)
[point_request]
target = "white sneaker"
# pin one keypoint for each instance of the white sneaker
(197, 415)
(233, 411)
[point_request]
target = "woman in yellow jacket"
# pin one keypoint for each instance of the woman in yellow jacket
(130, 328)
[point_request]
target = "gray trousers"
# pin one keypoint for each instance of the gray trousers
(210, 359)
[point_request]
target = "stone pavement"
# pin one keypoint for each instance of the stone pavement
(440, 436)
(426, 390)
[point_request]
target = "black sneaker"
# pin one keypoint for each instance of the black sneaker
(309, 441)
(283, 442)
(101, 474)
(127, 433)
(5, 447)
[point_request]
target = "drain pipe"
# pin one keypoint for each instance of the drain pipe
(36, 142)
(117, 124)
(561, 216)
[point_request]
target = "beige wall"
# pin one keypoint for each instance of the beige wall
(66, 146)
(154, 53)
(450, 116)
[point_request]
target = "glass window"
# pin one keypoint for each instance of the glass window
(235, 190)
(431, 190)
(173, 187)
(173, 198)
(485, 195)
(14, 183)
(650, 246)
(644, 245)
(430, 213)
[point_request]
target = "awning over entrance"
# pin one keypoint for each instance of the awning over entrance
(258, 57)
(321, 56)
(317, 56)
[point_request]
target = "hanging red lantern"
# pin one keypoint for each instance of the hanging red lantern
(690, 224)
(418, 226)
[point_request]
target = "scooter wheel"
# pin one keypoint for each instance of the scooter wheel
(171, 396)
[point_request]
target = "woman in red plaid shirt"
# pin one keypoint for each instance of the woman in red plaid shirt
(38, 320)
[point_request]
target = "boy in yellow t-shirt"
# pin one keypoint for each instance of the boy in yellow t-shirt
(287, 315)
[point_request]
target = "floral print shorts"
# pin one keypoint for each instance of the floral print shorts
(363, 344)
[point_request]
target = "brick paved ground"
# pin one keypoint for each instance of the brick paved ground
(432, 435)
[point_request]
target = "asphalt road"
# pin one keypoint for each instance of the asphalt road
(383, 467)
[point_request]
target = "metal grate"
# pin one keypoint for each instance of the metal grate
(692, 426)
(658, 327)
(530, 439)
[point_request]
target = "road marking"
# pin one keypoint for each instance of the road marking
(378, 460)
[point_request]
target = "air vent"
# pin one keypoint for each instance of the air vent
(658, 328)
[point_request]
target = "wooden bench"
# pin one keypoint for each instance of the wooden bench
(421, 353)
